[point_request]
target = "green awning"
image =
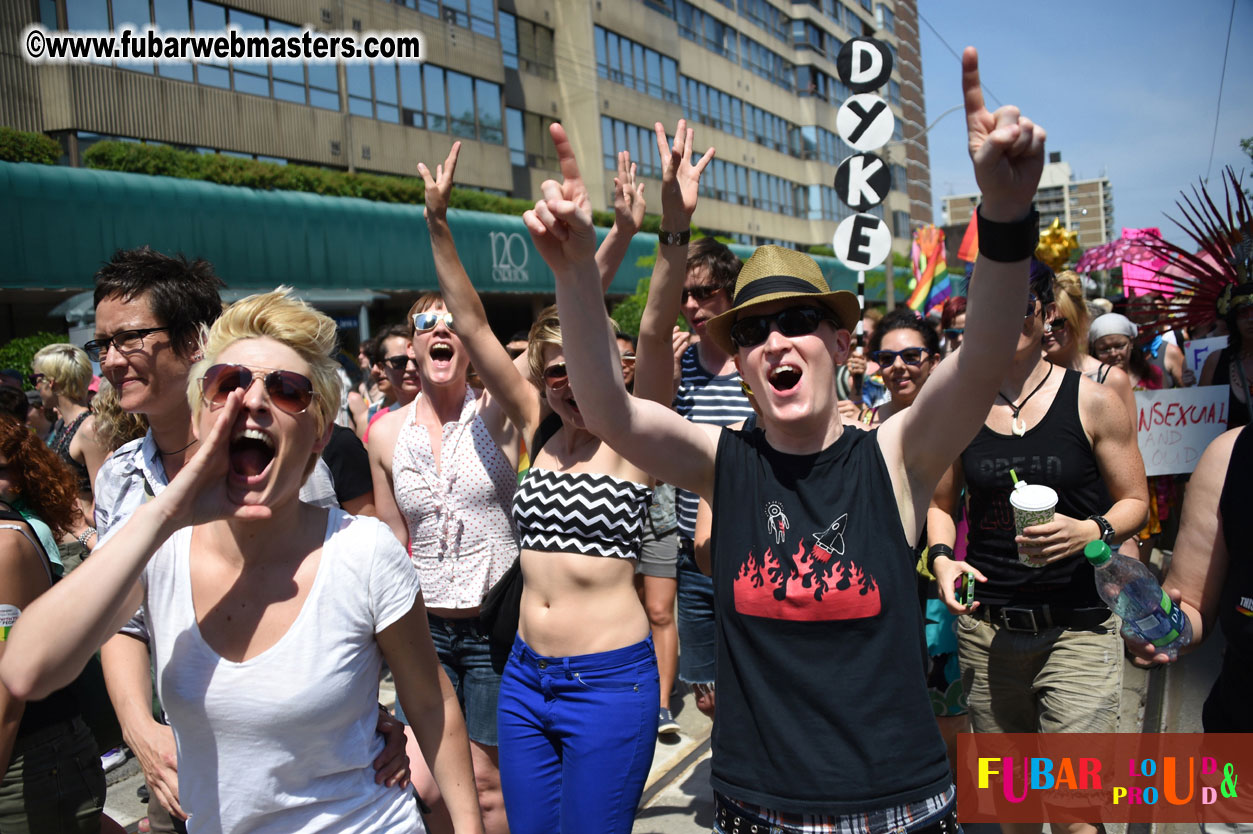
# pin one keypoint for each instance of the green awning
(61, 224)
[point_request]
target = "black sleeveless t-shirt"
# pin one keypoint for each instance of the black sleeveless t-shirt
(1055, 452)
(1228, 709)
(822, 697)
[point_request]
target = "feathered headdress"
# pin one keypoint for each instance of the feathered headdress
(1213, 281)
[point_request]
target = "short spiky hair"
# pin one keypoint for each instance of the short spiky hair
(183, 294)
(280, 316)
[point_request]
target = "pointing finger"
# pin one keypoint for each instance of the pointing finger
(565, 153)
(972, 90)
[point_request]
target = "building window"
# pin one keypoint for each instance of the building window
(528, 46)
(535, 139)
(513, 129)
(885, 18)
(478, 16)
(706, 30)
(900, 224)
(766, 16)
(636, 66)
(616, 135)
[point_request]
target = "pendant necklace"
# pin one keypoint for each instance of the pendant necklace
(1020, 426)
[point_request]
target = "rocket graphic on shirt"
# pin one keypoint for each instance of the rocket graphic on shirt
(814, 580)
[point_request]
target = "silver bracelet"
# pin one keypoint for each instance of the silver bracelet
(87, 534)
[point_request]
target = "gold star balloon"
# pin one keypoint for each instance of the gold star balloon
(1056, 244)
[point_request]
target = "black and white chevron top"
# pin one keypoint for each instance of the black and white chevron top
(580, 512)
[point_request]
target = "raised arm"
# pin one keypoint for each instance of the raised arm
(628, 215)
(680, 182)
(517, 396)
(647, 434)
(1007, 150)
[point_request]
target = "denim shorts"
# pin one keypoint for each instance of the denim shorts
(1053, 681)
(54, 782)
(697, 637)
(465, 652)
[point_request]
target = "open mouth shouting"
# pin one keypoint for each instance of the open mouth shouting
(784, 377)
(251, 453)
(442, 353)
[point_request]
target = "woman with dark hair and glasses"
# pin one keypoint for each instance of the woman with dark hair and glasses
(270, 618)
(906, 349)
(579, 694)
(953, 322)
(1066, 340)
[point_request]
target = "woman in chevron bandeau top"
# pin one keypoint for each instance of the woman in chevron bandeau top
(578, 699)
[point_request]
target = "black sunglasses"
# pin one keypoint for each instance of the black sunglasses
(910, 356)
(35, 379)
(1057, 325)
(793, 321)
(399, 362)
(701, 292)
(290, 391)
(127, 341)
(556, 376)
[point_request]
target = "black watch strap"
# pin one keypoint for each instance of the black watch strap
(674, 238)
(935, 551)
(1107, 529)
(1009, 242)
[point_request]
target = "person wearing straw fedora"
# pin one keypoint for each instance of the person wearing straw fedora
(823, 715)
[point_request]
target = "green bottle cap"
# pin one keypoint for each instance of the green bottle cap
(1097, 553)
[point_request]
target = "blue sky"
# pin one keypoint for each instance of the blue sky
(1125, 89)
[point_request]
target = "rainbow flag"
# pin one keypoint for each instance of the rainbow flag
(931, 284)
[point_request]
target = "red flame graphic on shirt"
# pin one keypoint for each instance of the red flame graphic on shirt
(808, 585)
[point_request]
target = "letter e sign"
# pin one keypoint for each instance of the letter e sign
(862, 242)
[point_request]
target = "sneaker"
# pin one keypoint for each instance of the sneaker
(666, 723)
(112, 759)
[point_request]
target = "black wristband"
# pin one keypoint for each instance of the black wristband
(675, 238)
(1107, 529)
(935, 551)
(1009, 242)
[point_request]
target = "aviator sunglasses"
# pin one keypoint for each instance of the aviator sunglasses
(701, 292)
(290, 391)
(423, 322)
(794, 321)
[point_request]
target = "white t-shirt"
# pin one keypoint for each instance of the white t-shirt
(284, 742)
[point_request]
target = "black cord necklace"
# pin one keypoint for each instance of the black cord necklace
(1020, 426)
(188, 446)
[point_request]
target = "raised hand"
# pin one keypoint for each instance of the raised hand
(628, 196)
(561, 223)
(439, 186)
(1006, 147)
(201, 491)
(680, 179)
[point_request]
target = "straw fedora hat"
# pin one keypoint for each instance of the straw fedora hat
(774, 273)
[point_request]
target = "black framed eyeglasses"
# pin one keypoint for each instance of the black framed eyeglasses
(701, 292)
(423, 322)
(399, 362)
(288, 390)
(126, 341)
(910, 356)
(793, 321)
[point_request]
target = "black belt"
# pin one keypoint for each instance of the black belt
(1037, 618)
(734, 821)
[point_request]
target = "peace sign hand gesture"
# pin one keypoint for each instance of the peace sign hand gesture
(1006, 147)
(680, 179)
(439, 186)
(561, 223)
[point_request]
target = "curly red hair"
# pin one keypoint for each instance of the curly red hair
(40, 478)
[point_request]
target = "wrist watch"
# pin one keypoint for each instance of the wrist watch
(674, 238)
(1107, 529)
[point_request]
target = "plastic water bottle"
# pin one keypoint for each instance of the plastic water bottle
(1131, 591)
